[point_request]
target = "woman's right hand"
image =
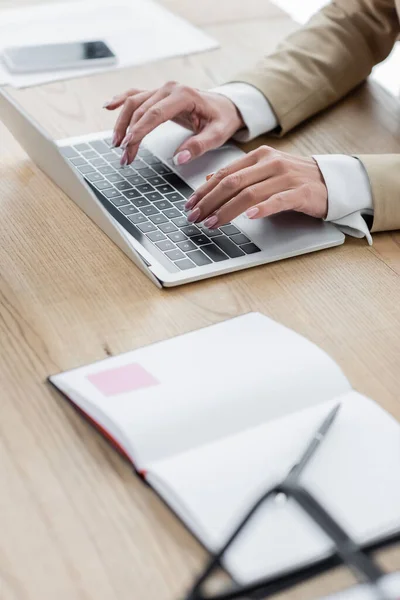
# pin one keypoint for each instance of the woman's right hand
(213, 118)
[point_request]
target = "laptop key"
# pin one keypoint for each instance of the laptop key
(163, 204)
(250, 248)
(240, 239)
(184, 264)
(102, 185)
(114, 177)
(100, 146)
(210, 232)
(165, 245)
(179, 184)
(140, 202)
(174, 197)
(161, 169)
(82, 147)
(151, 160)
(118, 151)
(107, 170)
(146, 227)
(229, 229)
(157, 236)
(78, 162)
(186, 246)
(112, 193)
(199, 258)
(138, 218)
(157, 181)
(90, 154)
(191, 230)
(171, 213)
(134, 179)
(214, 253)
(147, 173)
(145, 188)
(165, 188)
(175, 255)
(98, 162)
(132, 194)
(123, 185)
(94, 177)
(158, 219)
(168, 228)
(153, 196)
(68, 152)
(180, 221)
(228, 246)
(176, 236)
(86, 169)
(149, 210)
(200, 240)
(180, 205)
(144, 152)
(129, 210)
(120, 201)
(108, 157)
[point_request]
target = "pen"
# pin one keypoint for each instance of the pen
(316, 440)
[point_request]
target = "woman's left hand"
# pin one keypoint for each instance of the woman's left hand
(261, 183)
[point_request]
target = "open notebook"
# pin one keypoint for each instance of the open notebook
(214, 417)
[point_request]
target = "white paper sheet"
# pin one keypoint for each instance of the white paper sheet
(138, 31)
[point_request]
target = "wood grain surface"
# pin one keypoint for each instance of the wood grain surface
(74, 521)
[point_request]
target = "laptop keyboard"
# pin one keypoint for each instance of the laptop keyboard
(148, 199)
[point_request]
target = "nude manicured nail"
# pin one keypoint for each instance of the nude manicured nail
(127, 139)
(191, 202)
(124, 159)
(211, 221)
(107, 104)
(194, 215)
(182, 158)
(252, 212)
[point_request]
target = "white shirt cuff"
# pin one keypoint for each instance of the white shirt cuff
(349, 193)
(255, 109)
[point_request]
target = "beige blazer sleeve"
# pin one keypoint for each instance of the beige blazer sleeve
(323, 61)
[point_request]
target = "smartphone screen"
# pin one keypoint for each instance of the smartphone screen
(58, 56)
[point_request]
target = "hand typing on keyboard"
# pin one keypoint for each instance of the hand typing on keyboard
(212, 117)
(261, 183)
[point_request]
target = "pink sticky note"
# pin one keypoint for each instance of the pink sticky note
(122, 379)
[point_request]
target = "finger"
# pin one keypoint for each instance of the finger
(211, 137)
(249, 197)
(131, 104)
(286, 200)
(141, 110)
(241, 163)
(119, 99)
(163, 111)
(229, 187)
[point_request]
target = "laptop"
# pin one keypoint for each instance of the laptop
(141, 207)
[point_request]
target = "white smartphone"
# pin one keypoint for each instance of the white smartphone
(53, 57)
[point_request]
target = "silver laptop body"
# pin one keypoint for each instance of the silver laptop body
(148, 224)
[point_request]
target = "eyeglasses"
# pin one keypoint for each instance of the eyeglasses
(347, 551)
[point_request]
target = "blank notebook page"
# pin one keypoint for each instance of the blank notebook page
(355, 474)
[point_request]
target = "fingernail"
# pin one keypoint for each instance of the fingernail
(182, 158)
(107, 104)
(209, 176)
(114, 140)
(211, 221)
(191, 202)
(124, 159)
(127, 139)
(194, 215)
(252, 212)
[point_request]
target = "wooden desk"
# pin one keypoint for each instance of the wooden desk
(74, 521)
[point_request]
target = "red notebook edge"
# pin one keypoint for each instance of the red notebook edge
(106, 435)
